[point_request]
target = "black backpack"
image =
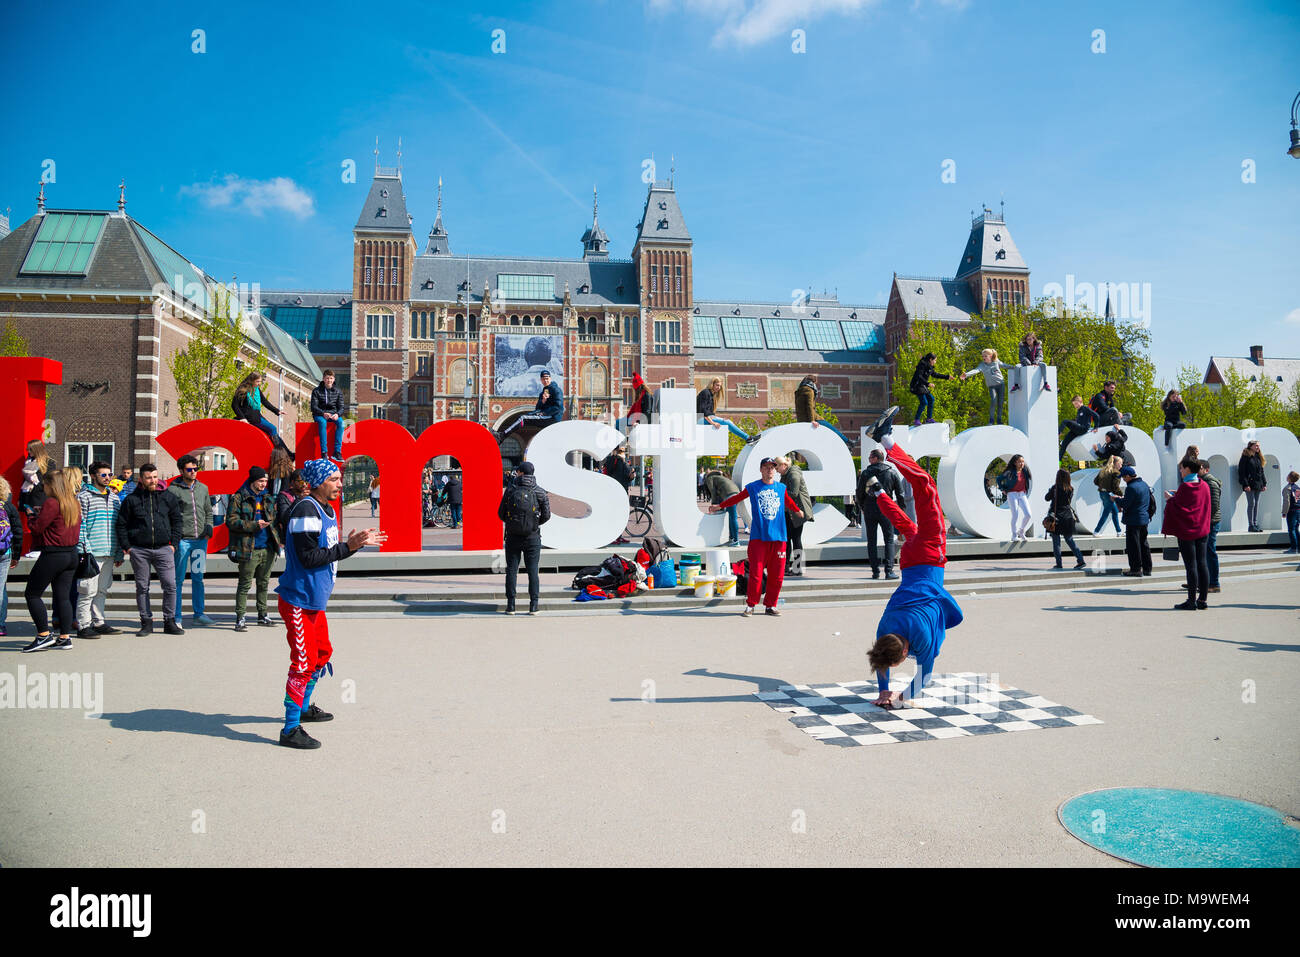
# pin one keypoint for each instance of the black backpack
(521, 510)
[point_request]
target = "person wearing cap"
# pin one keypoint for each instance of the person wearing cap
(311, 554)
(548, 409)
(1136, 507)
(255, 540)
(768, 500)
(920, 611)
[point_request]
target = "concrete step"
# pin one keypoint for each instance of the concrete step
(358, 604)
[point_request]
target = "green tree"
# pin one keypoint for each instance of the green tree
(12, 344)
(1236, 402)
(208, 369)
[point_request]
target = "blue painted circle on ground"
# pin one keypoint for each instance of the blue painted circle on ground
(1158, 827)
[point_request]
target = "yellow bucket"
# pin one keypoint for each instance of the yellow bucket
(688, 573)
(725, 586)
(703, 586)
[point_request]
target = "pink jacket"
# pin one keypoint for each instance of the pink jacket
(1187, 514)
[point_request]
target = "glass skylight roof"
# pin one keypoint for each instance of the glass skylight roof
(64, 244)
(704, 332)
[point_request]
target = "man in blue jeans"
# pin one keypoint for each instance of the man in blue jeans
(196, 529)
(327, 409)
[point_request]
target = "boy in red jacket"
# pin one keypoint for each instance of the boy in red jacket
(920, 611)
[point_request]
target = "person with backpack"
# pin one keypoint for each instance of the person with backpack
(768, 501)
(879, 474)
(1138, 506)
(1061, 519)
(11, 548)
(1103, 403)
(525, 508)
(1107, 482)
(254, 543)
(312, 554)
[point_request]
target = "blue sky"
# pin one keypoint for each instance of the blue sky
(820, 169)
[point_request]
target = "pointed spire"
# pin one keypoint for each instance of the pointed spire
(438, 244)
(399, 154)
(1110, 313)
(440, 197)
(121, 197)
(595, 244)
(40, 199)
(672, 168)
(376, 155)
(595, 206)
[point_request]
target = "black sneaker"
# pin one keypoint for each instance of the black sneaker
(265, 621)
(298, 738)
(316, 714)
(63, 644)
(884, 425)
(87, 633)
(240, 625)
(875, 573)
(40, 643)
(171, 628)
(107, 629)
(146, 627)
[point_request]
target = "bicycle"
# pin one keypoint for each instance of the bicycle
(640, 516)
(442, 516)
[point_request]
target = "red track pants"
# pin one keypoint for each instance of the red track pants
(771, 555)
(309, 647)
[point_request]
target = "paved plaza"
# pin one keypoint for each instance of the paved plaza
(637, 739)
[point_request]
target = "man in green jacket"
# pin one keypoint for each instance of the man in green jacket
(792, 479)
(718, 486)
(254, 543)
(196, 529)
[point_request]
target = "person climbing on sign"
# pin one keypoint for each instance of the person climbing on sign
(920, 611)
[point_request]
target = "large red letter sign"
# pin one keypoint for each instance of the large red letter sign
(22, 395)
(247, 443)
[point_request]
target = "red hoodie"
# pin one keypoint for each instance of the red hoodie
(1187, 514)
(640, 392)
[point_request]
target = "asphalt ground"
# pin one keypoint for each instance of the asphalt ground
(572, 739)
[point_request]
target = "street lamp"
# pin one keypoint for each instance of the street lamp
(1295, 133)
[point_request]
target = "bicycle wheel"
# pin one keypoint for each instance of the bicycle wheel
(639, 523)
(442, 517)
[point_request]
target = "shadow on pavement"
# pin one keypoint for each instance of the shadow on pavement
(1247, 645)
(760, 684)
(193, 722)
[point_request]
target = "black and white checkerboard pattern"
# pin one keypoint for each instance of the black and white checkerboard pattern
(952, 706)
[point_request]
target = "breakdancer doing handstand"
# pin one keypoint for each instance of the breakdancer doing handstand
(920, 610)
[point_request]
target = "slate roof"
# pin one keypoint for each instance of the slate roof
(320, 316)
(281, 346)
(1272, 370)
(119, 262)
(602, 277)
(815, 308)
(439, 244)
(946, 300)
(661, 218)
(990, 246)
(385, 207)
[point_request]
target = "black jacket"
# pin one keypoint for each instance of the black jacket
(1174, 411)
(1086, 417)
(1250, 471)
(889, 482)
(1059, 501)
(1102, 403)
(325, 400)
(16, 529)
(704, 402)
(244, 409)
(149, 520)
(455, 491)
(616, 467)
(921, 378)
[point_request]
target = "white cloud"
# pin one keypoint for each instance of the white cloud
(748, 22)
(1293, 316)
(254, 196)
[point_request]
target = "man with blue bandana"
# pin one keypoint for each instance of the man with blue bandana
(312, 549)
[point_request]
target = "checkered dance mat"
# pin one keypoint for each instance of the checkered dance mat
(951, 706)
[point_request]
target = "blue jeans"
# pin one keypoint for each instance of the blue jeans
(997, 397)
(1292, 531)
(322, 426)
(4, 588)
(191, 559)
(733, 524)
(826, 425)
(731, 426)
(1056, 548)
(1212, 556)
(269, 428)
(926, 403)
(1108, 510)
(455, 515)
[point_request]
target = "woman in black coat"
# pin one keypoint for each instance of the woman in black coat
(1174, 411)
(1058, 498)
(920, 386)
(1250, 474)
